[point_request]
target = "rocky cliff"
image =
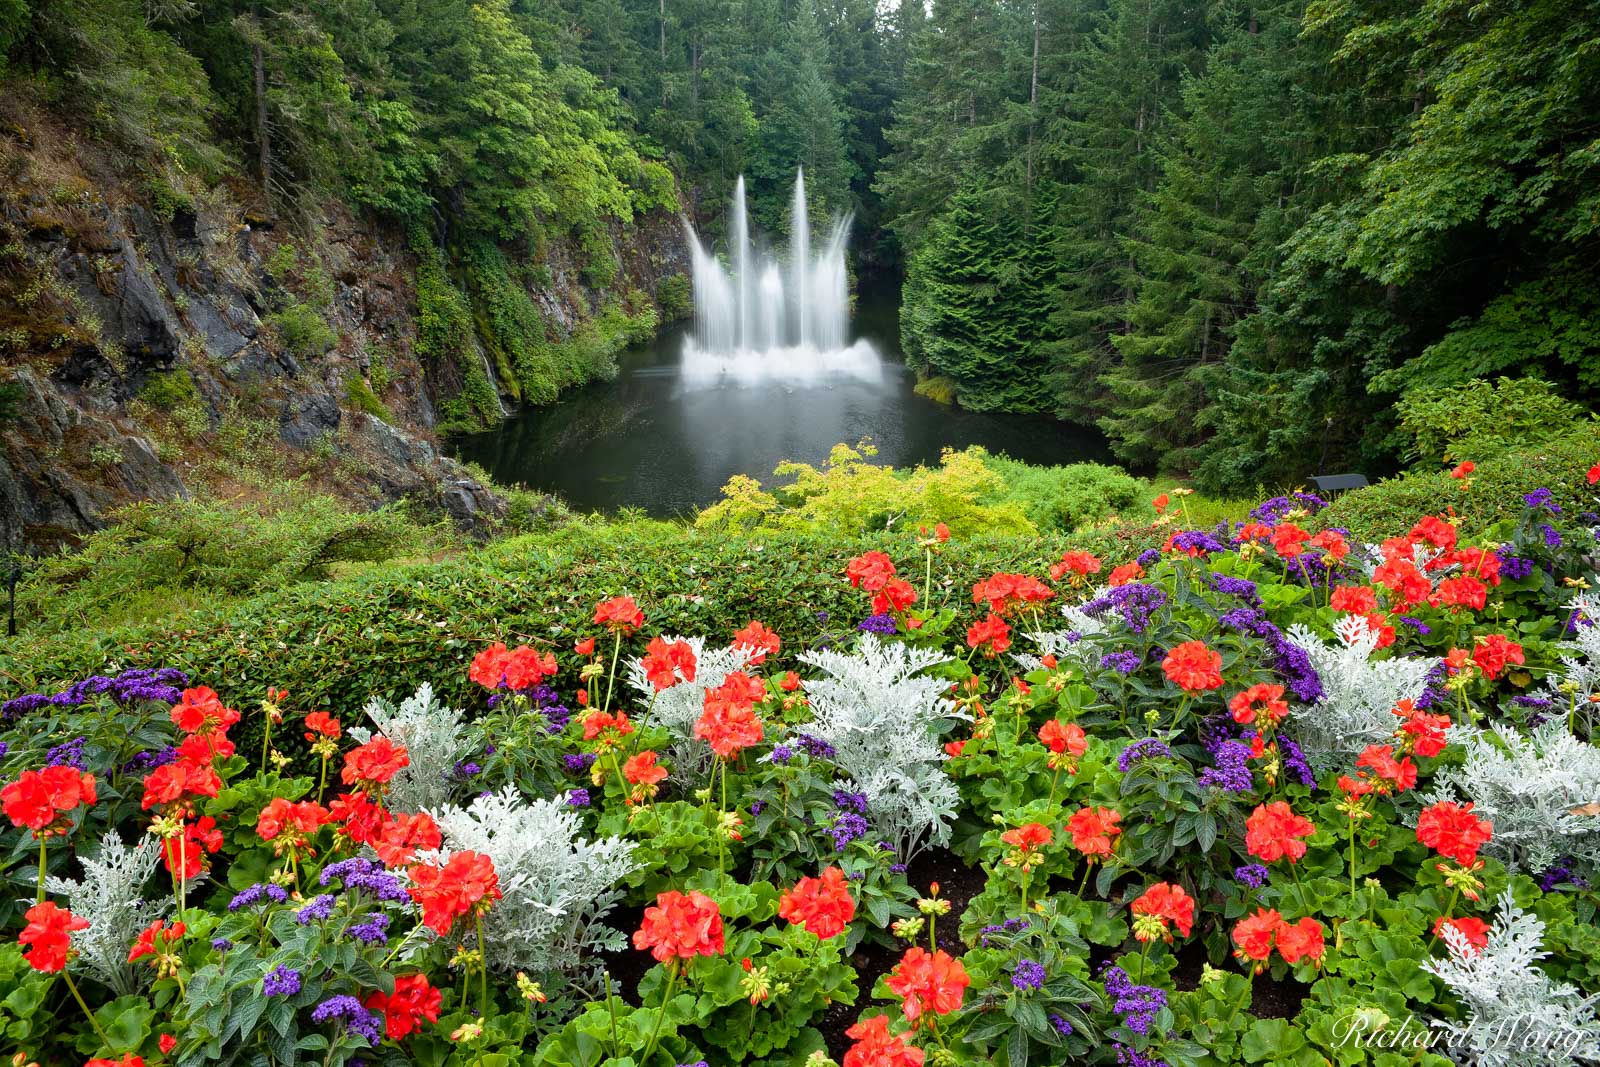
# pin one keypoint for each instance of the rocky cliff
(155, 344)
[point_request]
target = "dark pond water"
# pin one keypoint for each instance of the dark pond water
(670, 430)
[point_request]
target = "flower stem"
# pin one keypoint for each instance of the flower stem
(483, 968)
(611, 681)
(92, 1020)
(42, 841)
(666, 997)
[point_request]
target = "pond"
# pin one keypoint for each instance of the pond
(669, 431)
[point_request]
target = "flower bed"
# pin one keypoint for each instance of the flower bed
(1260, 795)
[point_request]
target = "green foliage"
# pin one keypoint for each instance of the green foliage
(185, 551)
(303, 331)
(362, 398)
(675, 297)
(1482, 419)
(1063, 499)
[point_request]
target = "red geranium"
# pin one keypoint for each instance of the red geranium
(1063, 738)
(1355, 599)
(1402, 578)
(374, 763)
(928, 983)
(896, 596)
(465, 882)
(321, 724)
(1451, 829)
(153, 938)
(666, 662)
(185, 854)
(1193, 667)
(992, 635)
(870, 571)
(1287, 539)
(1461, 471)
(396, 842)
(1007, 592)
(644, 775)
(1333, 545)
(619, 614)
(1263, 702)
(1128, 572)
(758, 639)
(296, 821)
(37, 799)
(823, 906)
(728, 726)
(1301, 940)
(128, 1060)
(609, 728)
(680, 926)
(1166, 903)
(1476, 931)
(1274, 831)
(1255, 934)
(47, 939)
(412, 1001)
(1433, 530)
(1027, 839)
(1092, 830)
(1078, 564)
(790, 682)
(200, 710)
(360, 819)
(1494, 653)
(1424, 732)
(1460, 592)
(1399, 775)
(1482, 563)
(876, 1047)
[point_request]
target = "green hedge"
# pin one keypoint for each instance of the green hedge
(1495, 492)
(334, 643)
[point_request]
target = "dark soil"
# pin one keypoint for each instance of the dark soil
(1270, 999)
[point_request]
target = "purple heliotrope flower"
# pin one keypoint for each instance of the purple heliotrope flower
(1028, 975)
(578, 798)
(282, 981)
(357, 1019)
(1139, 751)
(1231, 772)
(847, 827)
(1137, 1004)
(882, 625)
(1253, 875)
(1134, 602)
(1122, 662)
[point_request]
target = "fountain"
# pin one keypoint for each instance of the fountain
(761, 319)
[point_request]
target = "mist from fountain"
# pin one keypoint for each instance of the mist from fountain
(763, 318)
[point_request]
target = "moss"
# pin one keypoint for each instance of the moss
(362, 398)
(169, 390)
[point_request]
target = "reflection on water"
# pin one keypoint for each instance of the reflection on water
(674, 425)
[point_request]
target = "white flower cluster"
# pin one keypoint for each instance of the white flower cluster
(1528, 786)
(435, 738)
(555, 885)
(1517, 1015)
(884, 722)
(1359, 693)
(109, 896)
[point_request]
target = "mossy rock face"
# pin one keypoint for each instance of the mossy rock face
(940, 390)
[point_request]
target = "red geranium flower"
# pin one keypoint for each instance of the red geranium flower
(619, 614)
(876, 1047)
(1424, 732)
(1494, 653)
(992, 635)
(896, 596)
(298, 820)
(1476, 931)
(412, 1001)
(823, 906)
(1007, 592)
(727, 725)
(465, 882)
(791, 682)
(642, 770)
(1433, 530)
(1263, 702)
(870, 571)
(200, 709)
(1078, 564)
(680, 926)
(1254, 935)
(1128, 572)
(928, 983)
(584, 647)
(374, 763)
(1287, 539)
(128, 1060)
(396, 842)
(666, 662)
(1064, 737)
(39, 798)
(1274, 831)
(611, 729)
(185, 855)
(321, 724)
(1301, 940)
(1460, 592)
(49, 936)
(1451, 829)
(146, 944)
(179, 781)
(1193, 667)
(1402, 578)
(1400, 774)
(1028, 838)
(758, 639)
(1333, 546)
(1092, 830)
(361, 820)
(1461, 471)
(1167, 903)
(1481, 563)
(1355, 599)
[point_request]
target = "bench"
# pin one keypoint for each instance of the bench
(1338, 483)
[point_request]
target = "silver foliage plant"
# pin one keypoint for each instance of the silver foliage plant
(1358, 692)
(556, 885)
(1516, 1014)
(435, 739)
(1527, 785)
(1571, 689)
(109, 896)
(1065, 644)
(883, 719)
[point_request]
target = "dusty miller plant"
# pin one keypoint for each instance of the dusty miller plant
(556, 885)
(109, 897)
(435, 739)
(1516, 1014)
(1527, 785)
(1064, 644)
(884, 720)
(1571, 690)
(1358, 692)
